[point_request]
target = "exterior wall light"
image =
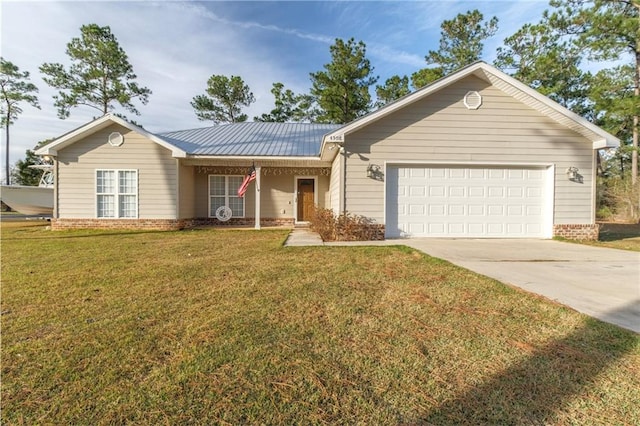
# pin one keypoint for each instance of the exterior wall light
(574, 175)
(374, 172)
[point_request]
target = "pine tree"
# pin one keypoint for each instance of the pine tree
(99, 77)
(15, 88)
(342, 89)
(223, 100)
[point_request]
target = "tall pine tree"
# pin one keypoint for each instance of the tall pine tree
(100, 75)
(461, 43)
(342, 89)
(223, 100)
(15, 88)
(607, 30)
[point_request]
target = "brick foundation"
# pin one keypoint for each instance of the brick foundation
(577, 232)
(161, 224)
(241, 221)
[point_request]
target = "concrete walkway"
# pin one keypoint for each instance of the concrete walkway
(300, 237)
(600, 282)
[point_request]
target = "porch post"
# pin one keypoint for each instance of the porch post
(257, 208)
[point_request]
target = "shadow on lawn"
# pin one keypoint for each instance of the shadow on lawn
(619, 231)
(532, 391)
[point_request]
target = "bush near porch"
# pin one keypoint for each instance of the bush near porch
(345, 226)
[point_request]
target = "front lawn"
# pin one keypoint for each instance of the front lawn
(229, 327)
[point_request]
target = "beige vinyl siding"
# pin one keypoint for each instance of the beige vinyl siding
(186, 192)
(77, 165)
(335, 188)
(276, 196)
(441, 129)
(323, 191)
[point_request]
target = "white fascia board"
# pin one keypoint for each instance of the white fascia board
(98, 124)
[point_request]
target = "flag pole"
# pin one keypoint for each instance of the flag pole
(257, 207)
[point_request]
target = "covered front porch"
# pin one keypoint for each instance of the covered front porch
(283, 192)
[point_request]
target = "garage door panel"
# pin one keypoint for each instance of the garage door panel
(437, 209)
(457, 191)
(457, 210)
(437, 173)
(457, 173)
(515, 210)
(476, 191)
(476, 173)
(476, 229)
(515, 228)
(416, 209)
(459, 201)
(495, 210)
(515, 192)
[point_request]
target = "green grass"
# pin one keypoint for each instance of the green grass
(229, 327)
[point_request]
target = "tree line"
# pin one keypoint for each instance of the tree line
(549, 56)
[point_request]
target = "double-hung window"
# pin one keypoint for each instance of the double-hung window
(223, 191)
(117, 193)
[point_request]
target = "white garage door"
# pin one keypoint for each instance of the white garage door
(469, 202)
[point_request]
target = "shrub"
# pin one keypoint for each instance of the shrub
(621, 198)
(344, 227)
(323, 222)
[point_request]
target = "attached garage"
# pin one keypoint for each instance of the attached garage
(469, 201)
(476, 154)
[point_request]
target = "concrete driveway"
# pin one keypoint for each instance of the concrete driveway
(600, 282)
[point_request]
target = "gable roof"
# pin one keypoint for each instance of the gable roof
(252, 139)
(504, 82)
(99, 124)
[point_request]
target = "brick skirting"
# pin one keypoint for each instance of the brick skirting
(577, 232)
(241, 221)
(161, 224)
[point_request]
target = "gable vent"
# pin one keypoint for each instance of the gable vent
(116, 139)
(472, 100)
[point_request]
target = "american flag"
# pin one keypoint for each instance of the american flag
(250, 176)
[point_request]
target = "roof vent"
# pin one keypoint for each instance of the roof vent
(472, 100)
(116, 139)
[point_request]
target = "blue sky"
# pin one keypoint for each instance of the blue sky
(175, 47)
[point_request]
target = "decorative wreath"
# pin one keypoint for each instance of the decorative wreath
(223, 213)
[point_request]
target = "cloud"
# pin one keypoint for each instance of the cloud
(174, 47)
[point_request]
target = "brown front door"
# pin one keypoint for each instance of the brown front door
(305, 199)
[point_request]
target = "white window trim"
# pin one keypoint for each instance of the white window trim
(229, 192)
(117, 193)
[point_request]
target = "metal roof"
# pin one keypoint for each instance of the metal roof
(252, 139)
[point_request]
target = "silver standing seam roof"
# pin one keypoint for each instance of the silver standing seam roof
(252, 139)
